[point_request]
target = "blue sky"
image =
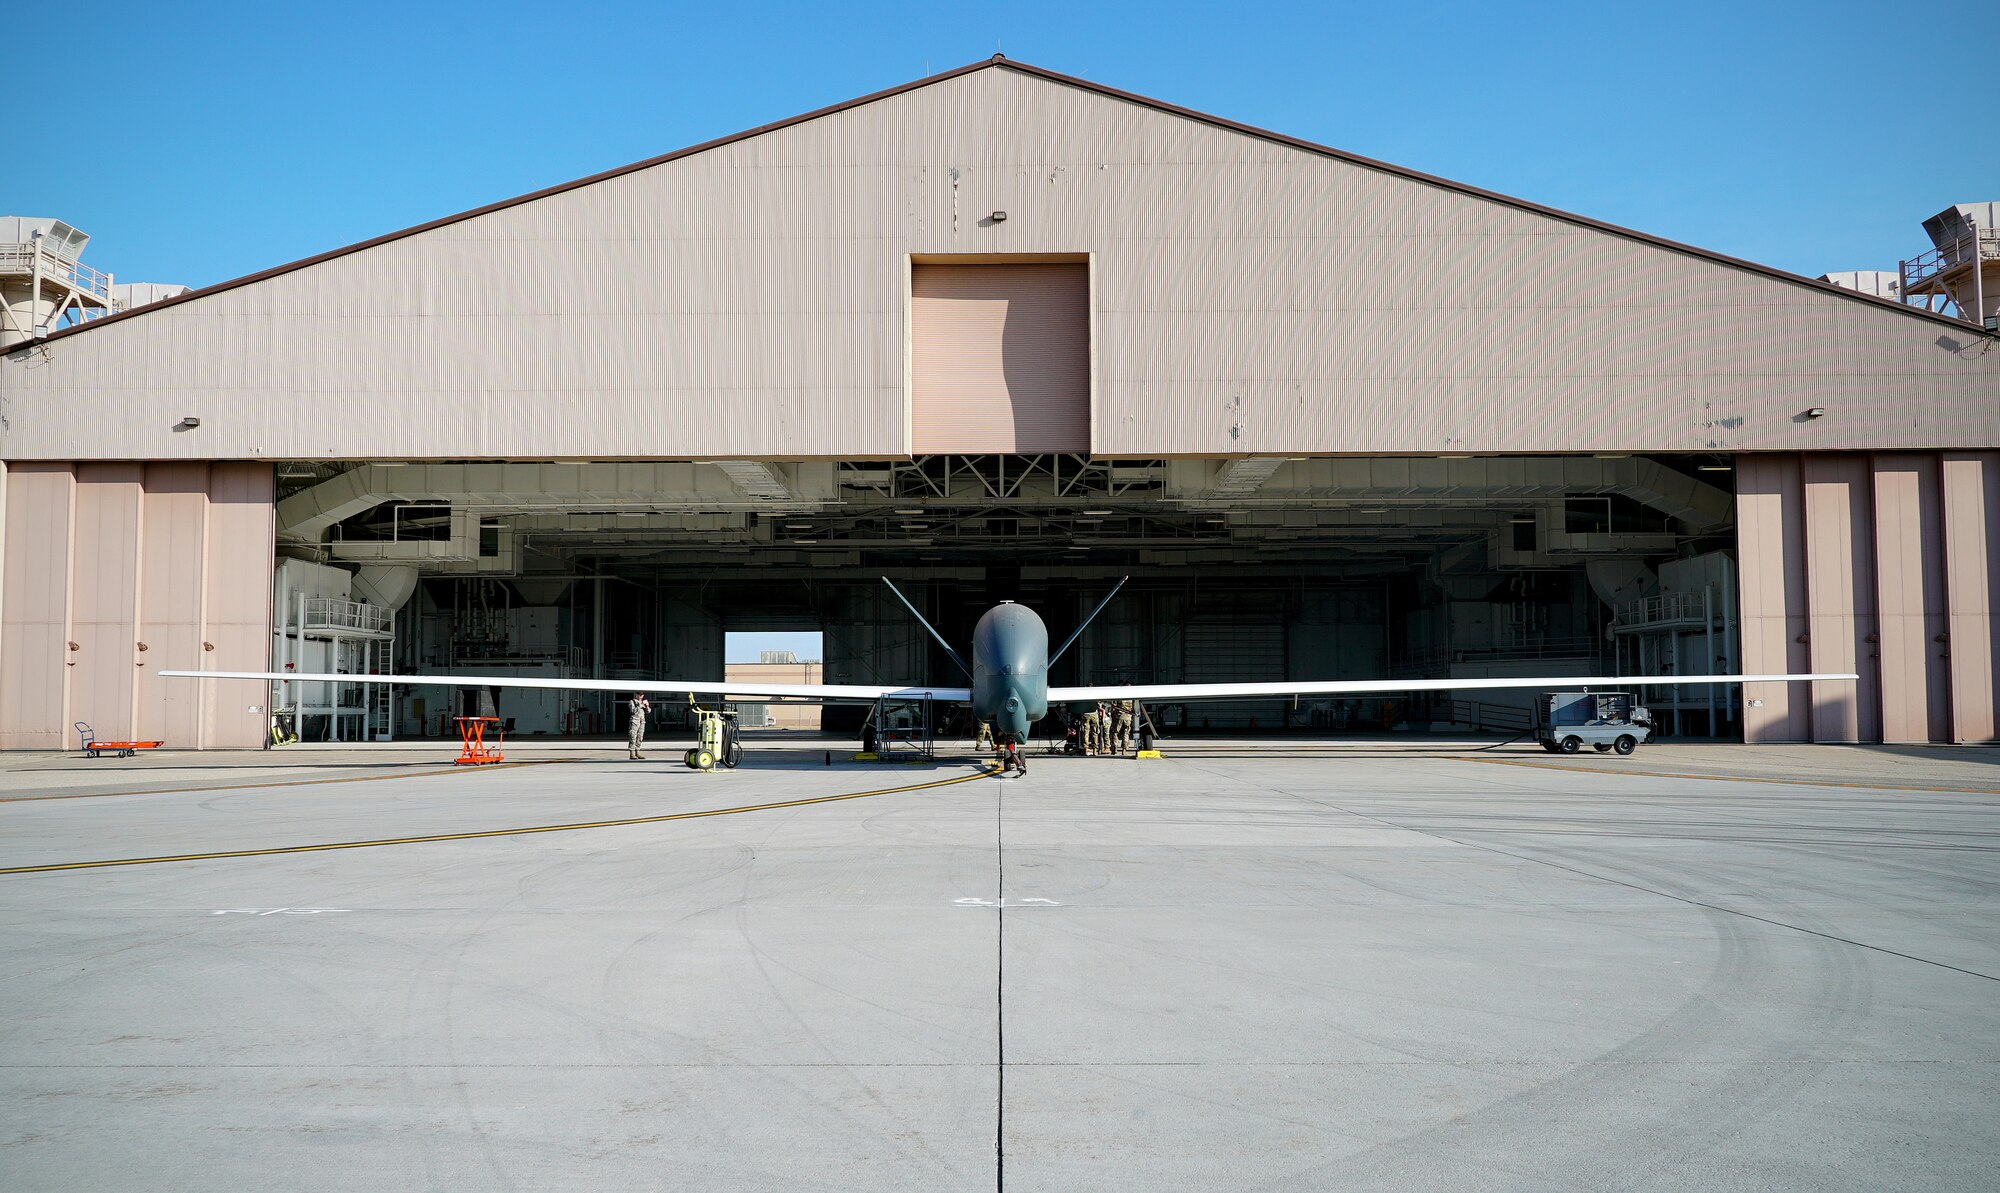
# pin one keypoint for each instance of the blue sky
(200, 141)
(745, 646)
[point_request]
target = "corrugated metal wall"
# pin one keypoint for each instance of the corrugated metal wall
(143, 567)
(750, 301)
(999, 358)
(1887, 565)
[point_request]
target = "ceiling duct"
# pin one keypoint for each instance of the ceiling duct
(500, 489)
(1423, 481)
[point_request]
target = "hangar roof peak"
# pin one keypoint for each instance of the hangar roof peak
(1001, 62)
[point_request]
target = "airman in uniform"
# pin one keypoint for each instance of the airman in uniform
(983, 736)
(635, 724)
(1091, 727)
(1121, 728)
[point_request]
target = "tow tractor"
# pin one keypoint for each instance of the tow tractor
(716, 745)
(1565, 722)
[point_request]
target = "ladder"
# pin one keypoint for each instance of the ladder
(379, 721)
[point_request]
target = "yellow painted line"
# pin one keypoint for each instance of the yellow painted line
(497, 832)
(415, 774)
(1661, 774)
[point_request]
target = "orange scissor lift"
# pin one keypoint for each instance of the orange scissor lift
(478, 751)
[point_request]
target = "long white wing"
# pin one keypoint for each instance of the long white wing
(1174, 693)
(804, 693)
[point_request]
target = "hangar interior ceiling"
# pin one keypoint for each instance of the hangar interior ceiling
(1250, 568)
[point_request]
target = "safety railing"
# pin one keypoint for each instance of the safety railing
(18, 258)
(1663, 607)
(1925, 267)
(332, 615)
(569, 658)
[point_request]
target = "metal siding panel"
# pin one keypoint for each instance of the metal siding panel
(999, 358)
(1770, 537)
(34, 611)
(1971, 493)
(1349, 309)
(237, 575)
(1910, 593)
(104, 601)
(1840, 597)
(173, 550)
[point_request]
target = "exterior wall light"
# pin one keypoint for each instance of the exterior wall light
(1816, 412)
(998, 217)
(190, 422)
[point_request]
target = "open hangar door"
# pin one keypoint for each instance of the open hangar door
(1246, 569)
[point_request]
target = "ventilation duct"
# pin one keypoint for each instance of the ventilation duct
(386, 586)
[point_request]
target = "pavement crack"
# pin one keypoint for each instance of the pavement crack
(999, 992)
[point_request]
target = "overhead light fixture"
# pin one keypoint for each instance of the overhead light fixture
(1522, 519)
(1097, 513)
(907, 513)
(798, 526)
(1713, 467)
(1614, 455)
(1076, 548)
(1216, 521)
(805, 542)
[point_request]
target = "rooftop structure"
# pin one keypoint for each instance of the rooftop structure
(1961, 272)
(45, 287)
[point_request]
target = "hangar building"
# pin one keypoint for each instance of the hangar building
(1001, 333)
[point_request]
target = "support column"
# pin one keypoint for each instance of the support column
(173, 548)
(1840, 597)
(104, 601)
(1770, 533)
(1971, 498)
(1909, 571)
(34, 607)
(236, 598)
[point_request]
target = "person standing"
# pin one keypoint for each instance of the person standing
(1121, 727)
(1093, 731)
(635, 724)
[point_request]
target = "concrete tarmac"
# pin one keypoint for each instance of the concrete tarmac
(1253, 965)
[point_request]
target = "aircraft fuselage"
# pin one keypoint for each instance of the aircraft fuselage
(1010, 669)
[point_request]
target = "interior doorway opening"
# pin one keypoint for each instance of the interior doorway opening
(776, 657)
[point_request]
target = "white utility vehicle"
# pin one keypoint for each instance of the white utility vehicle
(1565, 722)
